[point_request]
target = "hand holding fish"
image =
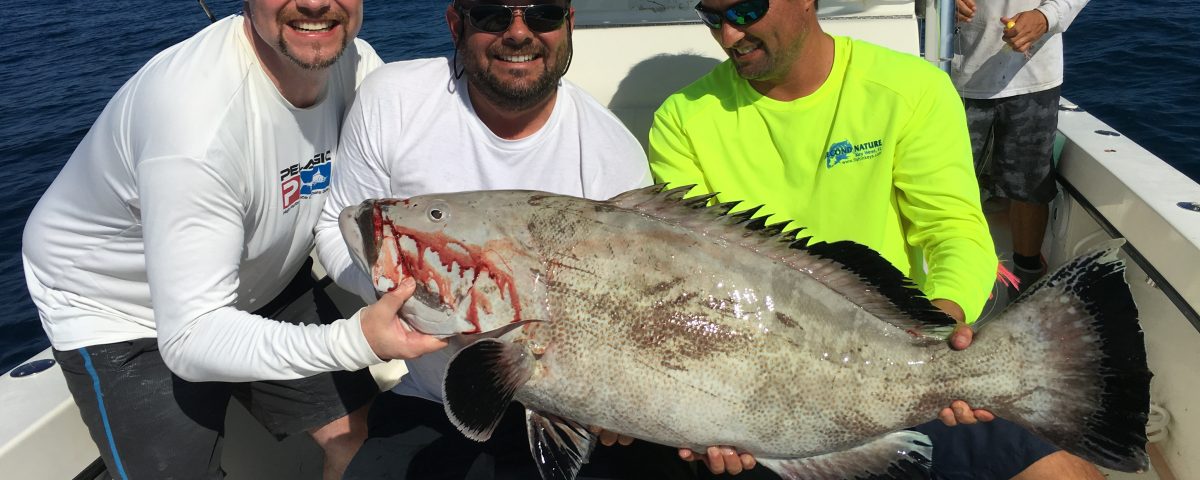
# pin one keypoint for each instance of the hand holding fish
(387, 334)
(959, 412)
(964, 10)
(1024, 29)
(609, 438)
(961, 337)
(723, 459)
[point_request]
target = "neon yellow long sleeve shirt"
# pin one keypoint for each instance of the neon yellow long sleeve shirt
(878, 155)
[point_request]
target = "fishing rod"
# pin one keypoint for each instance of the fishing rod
(208, 12)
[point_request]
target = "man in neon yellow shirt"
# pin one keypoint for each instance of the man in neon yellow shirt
(853, 142)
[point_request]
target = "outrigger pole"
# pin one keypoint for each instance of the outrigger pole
(208, 12)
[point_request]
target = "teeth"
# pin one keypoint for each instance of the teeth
(744, 49)
(517, 59)
(312, 26)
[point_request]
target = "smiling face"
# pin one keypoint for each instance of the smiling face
(312, 34)
(767, 49)
(518, 68)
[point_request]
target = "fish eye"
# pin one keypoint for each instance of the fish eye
(437, 212)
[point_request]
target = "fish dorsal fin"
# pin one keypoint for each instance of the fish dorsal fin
(560, 447)
(853, 270)
(481, 381)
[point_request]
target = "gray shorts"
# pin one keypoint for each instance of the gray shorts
(149, 423)
(1013, 144)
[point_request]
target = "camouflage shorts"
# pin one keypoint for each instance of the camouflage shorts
(1012, 140)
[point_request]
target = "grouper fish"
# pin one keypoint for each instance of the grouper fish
(680, 322)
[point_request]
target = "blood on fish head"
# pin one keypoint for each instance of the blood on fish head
(463, 268)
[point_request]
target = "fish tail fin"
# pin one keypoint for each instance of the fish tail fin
(1090, 391)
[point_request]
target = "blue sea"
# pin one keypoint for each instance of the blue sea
(1135, 65)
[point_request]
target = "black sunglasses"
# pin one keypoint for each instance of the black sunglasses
(740, 14)
(497, 18)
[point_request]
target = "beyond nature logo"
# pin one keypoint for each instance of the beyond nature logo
(846, 152)
(301, 181)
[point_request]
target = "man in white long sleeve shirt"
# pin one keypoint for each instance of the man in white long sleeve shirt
(1008, 67)
(496, 116)
(189, 204)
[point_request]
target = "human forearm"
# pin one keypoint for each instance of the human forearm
(199, 281)
(1060, 13)
(231, 345)
(939, 198)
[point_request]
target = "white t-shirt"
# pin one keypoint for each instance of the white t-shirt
(190, 202)
(412, 131)
(985, 67)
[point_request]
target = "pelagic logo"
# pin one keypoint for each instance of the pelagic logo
(304, 180)
(846, 152)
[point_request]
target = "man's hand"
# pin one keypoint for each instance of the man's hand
(608, 438)
(962, 335)
(723, 459)
(388, 335)
(959, 413)
(964, 10)
(1024, 29)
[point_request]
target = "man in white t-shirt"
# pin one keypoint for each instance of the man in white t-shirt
(496, 116)
(190, 204)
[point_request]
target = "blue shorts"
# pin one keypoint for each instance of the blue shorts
(998, 449)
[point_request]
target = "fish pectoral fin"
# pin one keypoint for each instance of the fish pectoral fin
(480, 383)
(559, 446)
(904, 454)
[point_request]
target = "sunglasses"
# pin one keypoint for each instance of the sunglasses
(497, 18)
(740, 14)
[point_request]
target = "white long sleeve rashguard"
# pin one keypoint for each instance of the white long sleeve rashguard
(190, 203)
(412, 131)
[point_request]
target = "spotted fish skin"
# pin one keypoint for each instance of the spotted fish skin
(682, 324)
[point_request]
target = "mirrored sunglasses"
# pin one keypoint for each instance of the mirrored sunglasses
(740, 14)
(497, 18)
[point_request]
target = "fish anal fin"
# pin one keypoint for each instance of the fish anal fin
(560, 447)
(899, 455)
(481, 381)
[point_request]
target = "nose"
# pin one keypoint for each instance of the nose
(312, 7)
(518, 31)
(728, 35)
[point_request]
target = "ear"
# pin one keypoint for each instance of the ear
(571, 18)
(454, 21)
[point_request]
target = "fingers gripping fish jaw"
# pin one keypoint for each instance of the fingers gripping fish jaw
(461, 288)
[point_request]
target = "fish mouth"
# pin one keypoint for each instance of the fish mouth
(357, 223)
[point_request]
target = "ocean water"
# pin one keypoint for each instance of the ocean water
(1134, 65)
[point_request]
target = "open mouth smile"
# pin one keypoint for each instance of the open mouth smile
(313, 26)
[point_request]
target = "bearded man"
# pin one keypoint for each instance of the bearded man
(169, 258)
(496, 115)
